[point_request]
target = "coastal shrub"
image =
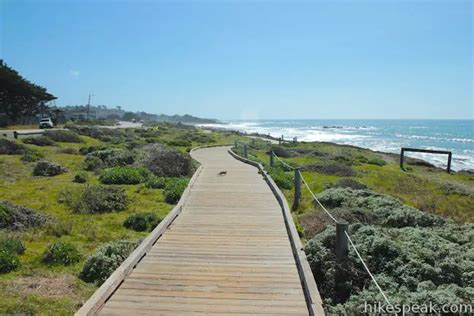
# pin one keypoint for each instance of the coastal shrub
(335, 169)
(80, 177)
(13, 245)
(107, 258)
(39, 141)
(124, 175)
(112, 157)
(67, 150)
(164, 161)
(48, 169)
(174, 189)
(95, 199)
(456, 188)
(155, 182)
(8, 261)
(87, 150)
(92, 163)
(179, 143)
(141, 221)
(283, 180)
(32, 156)
(197, 137)
(283, 152)
(413, 264)
(418, 162)
(64, 136)
(377, 161)
(404, 216)
(10, 147)
(347, 183)
(15, 217)
(61, 253)
(367, 199)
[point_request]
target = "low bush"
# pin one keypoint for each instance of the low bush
(456, 188)
(167, 162)
(39, 141)
(16, 217)
(98, 267)
(10, 147)
(8, 261)
(197, 137)
(377, 161)
(95, 199)
(61, 253)
(124, 175)
(283, 152)
(179, 143)
(63, 136)
(142, 221)
(48, 169)
(32, 156)
(92, 163)
(67, 150)
(89, 149)
(81, 177)
(347, 183)
(284, 180)
(174, 189)
(335, 169)
(155, 182)
(12, 245)
(112, 157)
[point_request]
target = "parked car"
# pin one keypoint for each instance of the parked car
(46, 123)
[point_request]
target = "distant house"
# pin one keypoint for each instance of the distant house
(79, 115)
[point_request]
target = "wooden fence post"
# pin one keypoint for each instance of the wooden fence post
(15, 134)
(296, 201)
(245, 151)
(342, 242)
(272, 159)
(235, 144)
(450, 156)
(279, 141)
(402, 152)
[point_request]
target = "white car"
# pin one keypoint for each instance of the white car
(46, 123)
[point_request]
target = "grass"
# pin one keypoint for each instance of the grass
(59, 290)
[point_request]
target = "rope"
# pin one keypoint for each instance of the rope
(283, 163)
(367, 269)
(316, 199)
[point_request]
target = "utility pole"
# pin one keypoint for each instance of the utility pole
(89, 105)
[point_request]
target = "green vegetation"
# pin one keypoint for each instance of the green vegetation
(48, 169)
(124, 175)
(142, 221)
(64, 136)
(41, 211)
(39, 141)
(413, 228)
(174, 189)
(61, 253)
(99, 266)
(93, 199)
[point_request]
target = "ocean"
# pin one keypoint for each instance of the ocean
(381, 135)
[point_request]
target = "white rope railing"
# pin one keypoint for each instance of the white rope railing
(337, 222)
(283, 163)
(367, 269)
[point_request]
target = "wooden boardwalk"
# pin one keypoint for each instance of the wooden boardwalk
(228, 252)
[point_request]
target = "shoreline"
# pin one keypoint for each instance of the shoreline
(275, 140)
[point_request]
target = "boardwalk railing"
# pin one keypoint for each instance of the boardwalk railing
(308, 282)
(343, 238)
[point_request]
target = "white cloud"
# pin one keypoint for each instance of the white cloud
(74, 73)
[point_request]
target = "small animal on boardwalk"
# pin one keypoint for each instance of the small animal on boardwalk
(222, 173)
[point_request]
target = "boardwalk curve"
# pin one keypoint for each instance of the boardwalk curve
(228, 249)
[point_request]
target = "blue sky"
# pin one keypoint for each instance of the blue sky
(244, 59)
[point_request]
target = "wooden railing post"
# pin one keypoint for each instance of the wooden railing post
(272, 159)
(245, 151)
(296, 201)
(342, 242)
(15, 134)
(279, 141)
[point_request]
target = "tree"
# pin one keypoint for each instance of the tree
(18, 96)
